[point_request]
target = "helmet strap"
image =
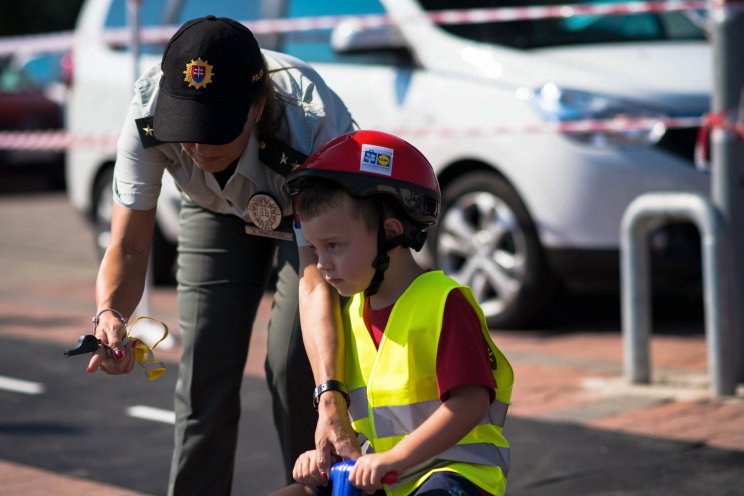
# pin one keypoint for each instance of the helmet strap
(384, 245)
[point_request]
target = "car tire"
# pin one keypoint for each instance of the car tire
(163, 251)
(486, 240)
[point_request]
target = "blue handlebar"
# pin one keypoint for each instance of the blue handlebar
(340, 479)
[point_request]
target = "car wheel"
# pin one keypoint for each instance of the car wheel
(487, 240)
(163, 251)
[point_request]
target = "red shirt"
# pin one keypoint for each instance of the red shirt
(462, 355)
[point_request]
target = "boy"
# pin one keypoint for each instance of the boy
(428, 389)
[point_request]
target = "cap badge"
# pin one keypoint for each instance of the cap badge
(198, 73)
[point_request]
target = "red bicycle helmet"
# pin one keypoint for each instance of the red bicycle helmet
(368, 163)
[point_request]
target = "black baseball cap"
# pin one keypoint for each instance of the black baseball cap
(212, 70)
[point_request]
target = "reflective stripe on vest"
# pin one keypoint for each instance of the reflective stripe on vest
(403, 419)
(397, 387)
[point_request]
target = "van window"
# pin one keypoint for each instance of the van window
(578, 30)
(176, 12)
(315, 46)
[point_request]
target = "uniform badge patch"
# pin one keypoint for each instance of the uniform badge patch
(376, 159)
(266, 215)
(264, 212)
(198, 73)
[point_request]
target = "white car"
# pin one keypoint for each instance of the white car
(524, 207)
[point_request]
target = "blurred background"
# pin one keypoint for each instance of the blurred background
(32, 92)
(542, 128)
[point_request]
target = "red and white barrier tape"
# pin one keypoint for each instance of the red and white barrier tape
(711, 122)
(60, 42)
(54, 141)
(61, 140)
(568, 127)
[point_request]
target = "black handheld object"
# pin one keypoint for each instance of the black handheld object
(87, 344)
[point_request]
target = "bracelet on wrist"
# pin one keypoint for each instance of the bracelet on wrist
(116, 313)
(330, 385)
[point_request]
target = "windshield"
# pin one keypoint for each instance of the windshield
(576, 30)
(176, 12)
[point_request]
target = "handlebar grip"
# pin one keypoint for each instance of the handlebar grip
(340, 479)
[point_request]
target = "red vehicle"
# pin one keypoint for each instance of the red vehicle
(31, 96)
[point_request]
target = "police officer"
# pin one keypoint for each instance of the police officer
(228, 122)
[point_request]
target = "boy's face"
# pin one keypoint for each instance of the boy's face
(345, 248)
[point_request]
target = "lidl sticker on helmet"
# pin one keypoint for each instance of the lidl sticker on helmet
(377, 159)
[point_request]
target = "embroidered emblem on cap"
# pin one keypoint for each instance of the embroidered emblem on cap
(264, 212)
(198, 73)
(376, 159)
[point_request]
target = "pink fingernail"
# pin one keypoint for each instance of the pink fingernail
(118, 354)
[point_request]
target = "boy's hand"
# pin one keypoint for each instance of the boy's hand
(306, 470)
(368, 471)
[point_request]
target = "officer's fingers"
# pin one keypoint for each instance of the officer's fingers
(113, 336)
(94, 363)
(118, 367)
(347, 449)
(323, 457)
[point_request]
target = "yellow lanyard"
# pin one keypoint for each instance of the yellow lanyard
(143, 353)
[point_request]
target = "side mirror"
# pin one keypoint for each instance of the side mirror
(349, 36)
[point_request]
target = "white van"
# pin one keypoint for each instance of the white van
(526, 209)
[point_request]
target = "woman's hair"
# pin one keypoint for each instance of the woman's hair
(274, 108)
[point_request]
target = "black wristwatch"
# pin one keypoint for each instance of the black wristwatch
(330, 385)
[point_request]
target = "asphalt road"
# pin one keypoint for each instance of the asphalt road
(80, 425)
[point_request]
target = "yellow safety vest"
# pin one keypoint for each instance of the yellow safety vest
(393, 390)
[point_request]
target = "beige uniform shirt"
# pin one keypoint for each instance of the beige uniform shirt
(314, 116)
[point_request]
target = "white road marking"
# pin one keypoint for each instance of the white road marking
(20, 386)
(150, 413)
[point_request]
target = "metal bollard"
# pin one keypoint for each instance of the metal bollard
(636, 313)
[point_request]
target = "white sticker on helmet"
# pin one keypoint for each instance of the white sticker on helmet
(376, 159)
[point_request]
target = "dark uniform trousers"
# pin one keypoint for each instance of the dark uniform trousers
(222, 275)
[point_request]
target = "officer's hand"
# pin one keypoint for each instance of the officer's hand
(114, 357)
(334, 434)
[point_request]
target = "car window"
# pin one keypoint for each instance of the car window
(577, 30)
(315, 45)
(176, 12)
(44, 69)
(11, 79)
(158, 12)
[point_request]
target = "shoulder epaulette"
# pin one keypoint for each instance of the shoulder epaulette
(146, 132)
(279, 156)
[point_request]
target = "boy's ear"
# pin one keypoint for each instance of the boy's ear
(393, 227)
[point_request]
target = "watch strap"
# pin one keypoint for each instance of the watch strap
(330, 385)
